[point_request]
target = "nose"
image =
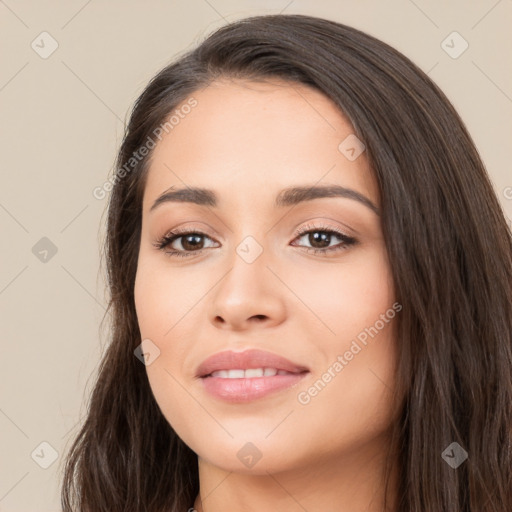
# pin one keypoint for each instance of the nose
(248, 296)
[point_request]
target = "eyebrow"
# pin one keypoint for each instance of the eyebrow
(287, 197)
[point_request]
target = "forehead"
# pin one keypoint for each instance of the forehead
(255, 136)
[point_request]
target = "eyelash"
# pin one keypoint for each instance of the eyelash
(171, 236)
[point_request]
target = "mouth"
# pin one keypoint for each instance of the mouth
(239, 377)
(250, 373)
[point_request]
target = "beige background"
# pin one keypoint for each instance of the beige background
(62, 120)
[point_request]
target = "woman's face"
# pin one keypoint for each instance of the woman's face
(300, 275)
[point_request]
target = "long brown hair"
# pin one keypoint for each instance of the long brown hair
(450, 251)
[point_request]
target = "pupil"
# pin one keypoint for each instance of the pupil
(192, 241)
(320, 237)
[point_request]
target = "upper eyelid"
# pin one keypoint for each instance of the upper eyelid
(202, 231)
(178, 233)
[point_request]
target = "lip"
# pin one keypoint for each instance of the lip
(229, 360)
(248, 389)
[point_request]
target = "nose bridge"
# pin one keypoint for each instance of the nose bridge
(248, 276)
(247, 290)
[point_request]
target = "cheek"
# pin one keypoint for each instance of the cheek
(347, 297)
(164, 296)
(353, 309)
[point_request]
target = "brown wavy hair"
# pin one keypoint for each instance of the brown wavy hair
(449, 247)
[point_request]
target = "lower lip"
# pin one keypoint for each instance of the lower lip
(247, 390)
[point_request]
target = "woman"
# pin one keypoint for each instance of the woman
(311, 290)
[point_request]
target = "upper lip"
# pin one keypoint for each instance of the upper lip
(229, 360)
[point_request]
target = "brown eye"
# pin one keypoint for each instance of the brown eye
(183, 243)
(320, 239)
(191, 242)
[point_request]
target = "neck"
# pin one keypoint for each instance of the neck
(352, 482)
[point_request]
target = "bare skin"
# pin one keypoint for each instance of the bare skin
(320, 450)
